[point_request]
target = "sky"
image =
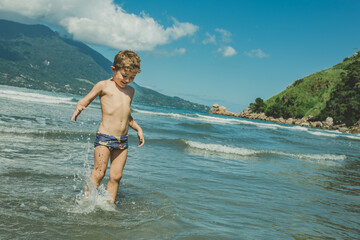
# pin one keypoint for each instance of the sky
(227, 52)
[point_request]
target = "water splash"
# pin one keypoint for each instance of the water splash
(93, 199)
(90, 198)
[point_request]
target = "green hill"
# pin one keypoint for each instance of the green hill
(34, 56)
(334, 92)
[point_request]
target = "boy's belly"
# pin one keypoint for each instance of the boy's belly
(115, 128)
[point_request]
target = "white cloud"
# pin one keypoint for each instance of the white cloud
(225, 38)
(225, 34)
(101, 22)
(257, 53)
(227, 51)
(175, 52)
(178, 51)
(210, 39)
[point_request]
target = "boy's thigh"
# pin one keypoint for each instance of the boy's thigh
(101, 157)
(118, 160)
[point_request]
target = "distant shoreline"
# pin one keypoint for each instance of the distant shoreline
(305, 121)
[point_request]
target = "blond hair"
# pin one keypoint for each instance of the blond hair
(128, 60)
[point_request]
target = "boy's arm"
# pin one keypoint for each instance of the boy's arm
(137, 128)
(83, 103)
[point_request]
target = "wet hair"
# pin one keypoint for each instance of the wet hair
(127, 60)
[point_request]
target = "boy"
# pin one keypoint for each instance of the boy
(111, 140)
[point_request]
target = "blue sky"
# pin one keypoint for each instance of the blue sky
(225, 52)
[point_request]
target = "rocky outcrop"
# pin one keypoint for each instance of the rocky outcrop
(216, 109)
(305, 121)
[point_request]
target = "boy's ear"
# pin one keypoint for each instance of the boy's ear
(113, 69)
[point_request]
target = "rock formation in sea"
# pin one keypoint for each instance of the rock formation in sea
(305, 121)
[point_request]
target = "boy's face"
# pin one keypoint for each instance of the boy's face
(123, 77)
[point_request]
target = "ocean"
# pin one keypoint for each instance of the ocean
(198, 176)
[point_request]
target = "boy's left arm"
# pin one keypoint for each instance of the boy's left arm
(137, 128)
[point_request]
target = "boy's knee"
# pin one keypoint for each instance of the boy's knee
(115, 177)
(98, 174)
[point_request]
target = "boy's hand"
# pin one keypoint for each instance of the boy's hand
(77, 112)
(141, 138)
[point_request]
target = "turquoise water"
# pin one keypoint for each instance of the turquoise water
(199, 176)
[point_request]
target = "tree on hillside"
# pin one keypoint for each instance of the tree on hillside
(259, 106)
(344, 103)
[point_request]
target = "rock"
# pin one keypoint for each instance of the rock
(281, 120)
(344, 129)
(305, 124)
(327, 124)
(247, 111)
(271, 119)
(262, 116)
(316, 124)
(329, 121)
(298, 122)
(216, 109)
(222, 109)
(290, 121)
(356, 127)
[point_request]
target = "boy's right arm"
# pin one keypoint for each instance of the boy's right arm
(83, 103)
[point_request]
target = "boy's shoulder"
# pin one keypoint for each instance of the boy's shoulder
(131, 90)
(103, 83)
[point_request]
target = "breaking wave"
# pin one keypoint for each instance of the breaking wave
(223, 149)
(35, 97)
(264, 125)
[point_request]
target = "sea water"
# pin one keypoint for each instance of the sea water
(198, 176)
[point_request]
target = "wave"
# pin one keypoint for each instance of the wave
(336, 133)
(216, 120)
(234, 121)
(44, 132)
(323, 134)
(35, 97)
(356, 137)
(204, 118)
(205, 126)
(172, 115)
(223, 149)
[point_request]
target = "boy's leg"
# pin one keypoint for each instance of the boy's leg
(101, 159)
(118, 160)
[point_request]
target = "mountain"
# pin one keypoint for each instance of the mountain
(334, 92)
(34, 56)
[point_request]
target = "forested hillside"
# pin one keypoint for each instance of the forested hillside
(34, 56)
(334, 92)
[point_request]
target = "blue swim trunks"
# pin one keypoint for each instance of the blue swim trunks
(111, 142)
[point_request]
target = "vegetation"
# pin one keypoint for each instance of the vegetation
(344, 102)
(334, 92)
(34, 56)
(259, 106)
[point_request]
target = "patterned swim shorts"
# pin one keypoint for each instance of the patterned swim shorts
(111, 142)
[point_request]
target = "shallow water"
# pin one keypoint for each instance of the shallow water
(198, 176)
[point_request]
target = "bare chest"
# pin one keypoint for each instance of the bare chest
(115, 101)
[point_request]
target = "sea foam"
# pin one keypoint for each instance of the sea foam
(223, 149)
(34, 97)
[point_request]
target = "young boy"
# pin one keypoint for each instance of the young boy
(111, 140)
